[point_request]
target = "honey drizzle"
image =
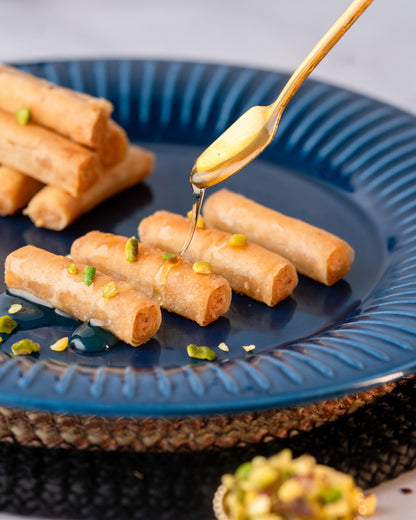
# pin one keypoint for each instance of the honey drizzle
(198, 197)
(160, 278)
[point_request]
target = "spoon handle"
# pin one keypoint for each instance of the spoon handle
(321, 49)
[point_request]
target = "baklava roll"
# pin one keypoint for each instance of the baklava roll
(114, 146)
(130, 315)
(172, 284)
(16, 189)
(47, 156)
(81, 117)
(53, 208)
(315, 253)
(250, 269)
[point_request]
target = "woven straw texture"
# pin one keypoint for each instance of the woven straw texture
(375, 443)
(31, 428)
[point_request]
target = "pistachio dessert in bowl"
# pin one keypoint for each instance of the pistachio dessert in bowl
(285, 488)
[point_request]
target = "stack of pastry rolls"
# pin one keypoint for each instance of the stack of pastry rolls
(68, 157)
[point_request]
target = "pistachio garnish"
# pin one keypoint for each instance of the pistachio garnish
(202, 267)
(23, 116)
(201, 353)
(7, 324)
(109, 290)
(72, 269)
(200, 223)
(25, 347)
(60, 345)
(132, 249)
(168, 256)
(14, 308)
(88, 275)
(237, 240)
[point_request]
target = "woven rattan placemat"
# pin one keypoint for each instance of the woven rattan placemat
(374, 442)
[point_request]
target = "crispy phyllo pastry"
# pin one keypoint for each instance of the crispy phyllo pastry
(114, 146)
(16, 189)
(250, 269)
(170, 282)
(53, 208)
(81, 117)
(47, 156)
(314, 252)
(83, 292)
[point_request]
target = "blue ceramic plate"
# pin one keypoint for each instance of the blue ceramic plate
(340, 161)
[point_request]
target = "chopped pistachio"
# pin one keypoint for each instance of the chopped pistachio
(72, 269)
(132, 249)
(14, 308)
(88, 275)
(60, 345)
(291, 489)
(25, 347)
(249, 348)
(237, 240)
(200, 223)
(202, 267)
(279, 486)
(23, 116)
(243, 470)
(168, 256)
(201, 353)
(223, 346)
(7, 324)
(330, 495)
(109, 290)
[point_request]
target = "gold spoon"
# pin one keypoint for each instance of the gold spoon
(255, 129)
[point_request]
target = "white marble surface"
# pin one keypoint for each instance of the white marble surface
(376, 57)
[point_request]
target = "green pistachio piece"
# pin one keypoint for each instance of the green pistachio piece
(237, 240)
(243, 470)
(72, 269)
(330, 495)
(14, 308)
(168, 256)
(25, 347)
(200, 223)
(7, 324)
(109, 290)
(202, 267)
(201, 353)
(88, 275)
(132, 249)
(23, 116)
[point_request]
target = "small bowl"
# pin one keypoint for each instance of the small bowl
(218, 503)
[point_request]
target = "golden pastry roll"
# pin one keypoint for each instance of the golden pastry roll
(250, 269)
(314, 252)
(130, 315)
(16, 190)
(47, 156)
(172, 284)
(81, 117)
(114, 145)
(53, 208)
